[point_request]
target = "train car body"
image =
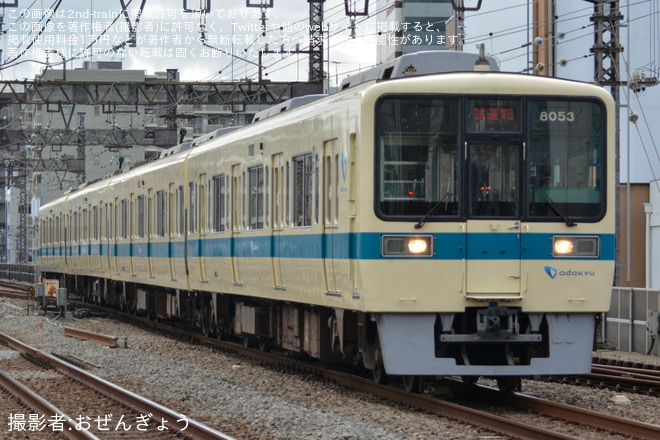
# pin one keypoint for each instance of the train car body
(446, 224)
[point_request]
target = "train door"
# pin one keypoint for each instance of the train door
(236, 220)
(100, 234)
(75, 245)
(150, 230)
(77, 236)
(182, 231)
(114, 224)
(202, 225)
(330, 213)
(56, 253)
(131, 229)
(67, 230)
(87, 229)
(171, 230)
(46, 242)
(277, 225)
(75, 239)
(108, 215)
(191, 231)
(493, 226)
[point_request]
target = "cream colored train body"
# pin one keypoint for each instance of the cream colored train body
(448, 224)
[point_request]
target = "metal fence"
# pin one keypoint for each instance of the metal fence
(627, 326)
(18, 272)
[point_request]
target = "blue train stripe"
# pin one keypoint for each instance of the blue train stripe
(363, 246)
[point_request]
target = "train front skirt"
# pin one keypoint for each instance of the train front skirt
(409, 345)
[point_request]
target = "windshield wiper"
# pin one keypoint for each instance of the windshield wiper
(570, 223)
(433, 209)
(447, 197)
(428, 214)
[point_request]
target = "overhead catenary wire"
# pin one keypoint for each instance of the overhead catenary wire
(641, 107)
(580, 13)
(335, 10)
(584, 12)
(8, 63)
(334, 44)
(81, 54)
(20, 18)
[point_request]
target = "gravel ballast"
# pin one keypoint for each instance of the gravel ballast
(246, 400)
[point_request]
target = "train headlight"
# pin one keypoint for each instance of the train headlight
(418, 246)
(406, 246)
(563, 247)
(576, 246)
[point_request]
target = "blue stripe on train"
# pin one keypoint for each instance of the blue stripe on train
(365, 246)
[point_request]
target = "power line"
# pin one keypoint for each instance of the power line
(34, 40)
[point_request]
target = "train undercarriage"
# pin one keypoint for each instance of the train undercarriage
(330, 335)
(481, 339)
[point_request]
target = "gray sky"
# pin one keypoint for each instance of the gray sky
(169, 38)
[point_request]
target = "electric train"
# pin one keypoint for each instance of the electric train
(419, 224)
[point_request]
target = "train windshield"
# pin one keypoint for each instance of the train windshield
(565, 163)
(418, 150)
(537, 159)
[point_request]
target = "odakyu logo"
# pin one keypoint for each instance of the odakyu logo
(551, 271)
(554, 273)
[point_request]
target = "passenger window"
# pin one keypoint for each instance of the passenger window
(161, 214)
(287, 192)
(218, 213)
(256, 203)
(302, 190)
(192, 207)
(180, 211)
(140, 217)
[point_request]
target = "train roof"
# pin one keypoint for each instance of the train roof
(286, 105)
(197, 141)
(422, 63)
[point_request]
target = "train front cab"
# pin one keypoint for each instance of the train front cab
(502, 214)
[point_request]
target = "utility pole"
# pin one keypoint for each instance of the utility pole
(606, 50)
(315, 51)
(316, 40)
(544, 42)
(21, 233)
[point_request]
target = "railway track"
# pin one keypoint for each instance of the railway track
(484, 419)
(15, 286)
(503, 425)
(581, 416)
(78, 405)
(631, 376)
(620, 376)
(15, 399)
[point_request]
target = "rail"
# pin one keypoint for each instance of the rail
(194, 429)
(99, 338)
(37, 403)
